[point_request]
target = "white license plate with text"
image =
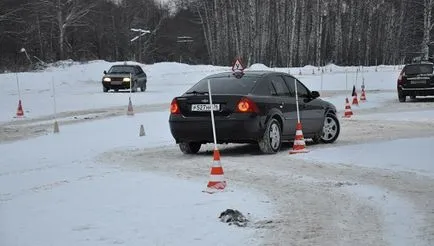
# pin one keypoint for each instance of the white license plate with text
(418, 81)
(204, 107)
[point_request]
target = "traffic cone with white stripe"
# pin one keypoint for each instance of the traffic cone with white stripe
(363, 96)
(56, 127)
(217, 180)
(299, 145)
(348, 112)
(142, 131)
(130, 108)
(355, 101)
(354, 95)
(20, 111)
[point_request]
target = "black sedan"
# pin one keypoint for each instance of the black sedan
(258, 107)
(120, 77)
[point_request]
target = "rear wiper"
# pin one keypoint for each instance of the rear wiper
(197, 92)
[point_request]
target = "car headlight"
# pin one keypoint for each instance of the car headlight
(107, 79)
(127, 79)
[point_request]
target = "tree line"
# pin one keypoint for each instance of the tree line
(272, 32)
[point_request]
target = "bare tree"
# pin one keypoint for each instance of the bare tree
(427, 26)
(66, 14)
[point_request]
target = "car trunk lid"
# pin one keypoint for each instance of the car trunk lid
(418, 76)
(199, 105)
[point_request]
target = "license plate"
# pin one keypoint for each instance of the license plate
(204, 107)
(116, 82)
(422, 81)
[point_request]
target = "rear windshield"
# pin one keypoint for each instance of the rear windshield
(226, 85)
(419, 69)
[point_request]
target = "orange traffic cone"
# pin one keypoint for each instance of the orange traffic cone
(299, 143)
(363, 96)
(354, 95)
(130, 108)
(355, 101)
(20, 112)
(348, 112)
(217, 180)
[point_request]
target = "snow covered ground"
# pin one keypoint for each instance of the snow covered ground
(54, 192)
(97, 182)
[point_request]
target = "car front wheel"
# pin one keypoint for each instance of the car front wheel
(272, 139)
(134, 86)
(189, 148)
(401, 96)
(330, 131)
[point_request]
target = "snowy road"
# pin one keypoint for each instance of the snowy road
(318, 203)
(314, 206)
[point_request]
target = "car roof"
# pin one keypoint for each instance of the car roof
(420, 63)
(124, 65)
(246, 72)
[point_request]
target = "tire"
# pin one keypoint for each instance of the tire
(401, 96)
(105, 89)
(189, 148)
(272, 139)
(143, 87)
(133, 86)
(330, 131)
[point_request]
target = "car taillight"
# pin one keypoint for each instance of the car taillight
(400, 78)
(246, 105)
(174, 108)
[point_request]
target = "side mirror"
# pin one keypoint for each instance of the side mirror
(314, 94)
(105, 72)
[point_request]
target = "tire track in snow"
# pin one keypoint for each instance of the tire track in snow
(311, 206)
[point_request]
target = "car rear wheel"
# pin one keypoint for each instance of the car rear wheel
(330, 131)
(189, 148)
(105, 89)
(272, 139)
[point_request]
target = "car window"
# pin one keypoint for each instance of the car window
(279, 85)
(226, 85)
(121, 69)
(302, 91)
(418, 69)
(265, 88)
(139, 70)
(290, 82)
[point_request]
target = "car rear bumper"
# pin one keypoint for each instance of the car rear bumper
(228, 130)
(426, 91)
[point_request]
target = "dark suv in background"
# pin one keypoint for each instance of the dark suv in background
(416, 79)
(118, 78)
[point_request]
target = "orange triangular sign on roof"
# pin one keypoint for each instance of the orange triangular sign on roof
(237, 66)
